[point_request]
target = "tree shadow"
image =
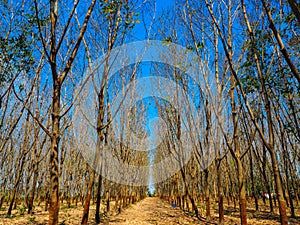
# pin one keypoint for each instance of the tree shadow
(253, 214)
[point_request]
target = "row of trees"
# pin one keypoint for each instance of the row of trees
(252, 50)
(257, 137)
(45, 49)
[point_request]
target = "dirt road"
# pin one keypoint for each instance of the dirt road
(149, 211)
(152, 211)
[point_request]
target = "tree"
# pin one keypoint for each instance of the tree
(58, 78)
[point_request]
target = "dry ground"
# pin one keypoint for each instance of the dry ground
(152, 211)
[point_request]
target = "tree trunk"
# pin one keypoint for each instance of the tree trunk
(220, 194)
(279, 189)
(32, 193)
(207, 202)
(86, 209)
(98, 202)
(18, 178)
(242, 193)
(254, 193)
(54, 149)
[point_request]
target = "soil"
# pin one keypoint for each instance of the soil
(154, 211)
(150, 211)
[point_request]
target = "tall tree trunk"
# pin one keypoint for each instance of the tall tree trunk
(254, 192)
(207, 202)
(97, 163)
(98, 202)
(236, 152)
(270, 145)
(32, 193)
(218, 138)
(242, 193)
(220, 194)
(58, 80)
(55, 116)
(54, 149)
(18, 179)
(86, 208)
(265, 177)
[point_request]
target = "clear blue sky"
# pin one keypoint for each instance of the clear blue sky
(139, 30)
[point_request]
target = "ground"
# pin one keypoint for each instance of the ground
(150, 211)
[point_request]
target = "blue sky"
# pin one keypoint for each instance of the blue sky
(140, 34)
(139, 31)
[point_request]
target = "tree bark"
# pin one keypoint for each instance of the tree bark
(207, 201)
(98, 202)
(86, 209)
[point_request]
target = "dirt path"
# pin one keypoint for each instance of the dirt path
(151, 211)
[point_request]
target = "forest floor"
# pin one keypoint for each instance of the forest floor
(151, 210)
(154, 211)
